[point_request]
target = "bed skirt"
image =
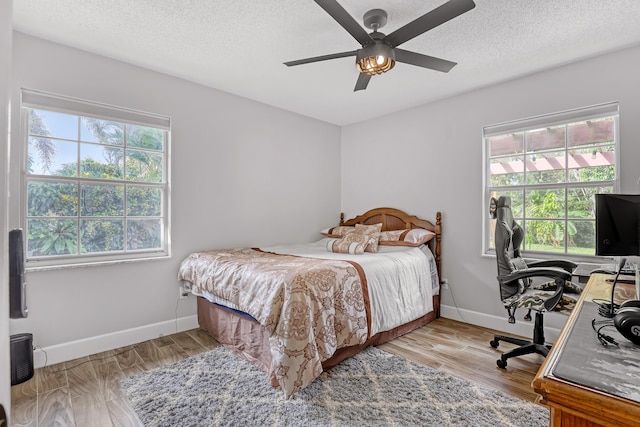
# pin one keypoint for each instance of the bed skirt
(250, 340)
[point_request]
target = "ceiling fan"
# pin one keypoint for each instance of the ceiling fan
(380, 52)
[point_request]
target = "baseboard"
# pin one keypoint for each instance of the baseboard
(521, 327)
(85, 347)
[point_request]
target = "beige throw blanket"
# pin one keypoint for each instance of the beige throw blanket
(311, 307)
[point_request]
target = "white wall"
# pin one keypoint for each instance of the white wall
(430, 158)
(5, 68)
(243, 174)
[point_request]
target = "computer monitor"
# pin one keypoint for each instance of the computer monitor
(617, 224)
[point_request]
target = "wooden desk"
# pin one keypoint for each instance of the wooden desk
(573, 402)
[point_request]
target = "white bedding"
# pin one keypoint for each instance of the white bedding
(401, 280)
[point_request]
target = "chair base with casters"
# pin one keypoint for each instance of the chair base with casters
(537, 345)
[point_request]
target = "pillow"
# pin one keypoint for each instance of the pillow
(374, 232)
(413, 237)
(352, 243)
(392, 235)
(342, 230)
(339, 231)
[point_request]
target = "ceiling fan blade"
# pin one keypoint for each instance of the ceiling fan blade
(321, 58)
(363, 81)
(429, 20)
(425, 61)
(347, 22)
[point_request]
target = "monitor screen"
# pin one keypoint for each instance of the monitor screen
(617, 224)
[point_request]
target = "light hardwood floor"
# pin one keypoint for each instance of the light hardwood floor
(86, 392)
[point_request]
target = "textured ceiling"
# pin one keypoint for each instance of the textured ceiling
(239, 46)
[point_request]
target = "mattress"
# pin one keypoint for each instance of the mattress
(401, 280)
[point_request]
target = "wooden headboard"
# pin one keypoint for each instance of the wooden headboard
(394, 219)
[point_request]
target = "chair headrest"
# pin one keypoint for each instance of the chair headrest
(504, 202)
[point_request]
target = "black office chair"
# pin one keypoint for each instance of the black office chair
(516, 285)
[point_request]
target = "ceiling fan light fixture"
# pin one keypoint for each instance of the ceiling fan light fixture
(378, 53)
(375, 59)
(373, 65)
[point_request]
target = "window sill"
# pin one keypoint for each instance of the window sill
(97, 263)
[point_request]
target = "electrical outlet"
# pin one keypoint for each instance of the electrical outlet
(444, 283)
(182, 292)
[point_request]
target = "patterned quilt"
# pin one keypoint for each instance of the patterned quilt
(311, 307)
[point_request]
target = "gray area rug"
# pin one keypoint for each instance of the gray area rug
(374, 388)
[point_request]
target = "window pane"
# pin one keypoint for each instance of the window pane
(99, 161)
(102, 131)
(544, 204)
(144, 201)
(596, 163)
(145, 137)
(51, 199)
(545, 139)
(506, 171)
(102, 235)
(55, 125)
(102, 200)
(591, 131)
(143, 166)
(143, 233)
(41, 152)
(546, 168)
(52, 237)
(582, 237)
(547, 236)
(52, 157)
(506, 144)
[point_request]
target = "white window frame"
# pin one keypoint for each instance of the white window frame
(33, 99)
(537, 122)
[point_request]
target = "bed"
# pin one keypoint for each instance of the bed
(297, 310)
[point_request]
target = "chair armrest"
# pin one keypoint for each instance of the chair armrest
(536, 272)
(561, 263)
(551, 303)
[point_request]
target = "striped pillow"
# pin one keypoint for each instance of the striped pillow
(352, 243)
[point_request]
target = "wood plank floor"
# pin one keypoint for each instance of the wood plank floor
(86, 391)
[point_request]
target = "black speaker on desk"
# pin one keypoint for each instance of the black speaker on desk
(21, 358)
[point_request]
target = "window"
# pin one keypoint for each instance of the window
(95, 182)
(551, 166)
